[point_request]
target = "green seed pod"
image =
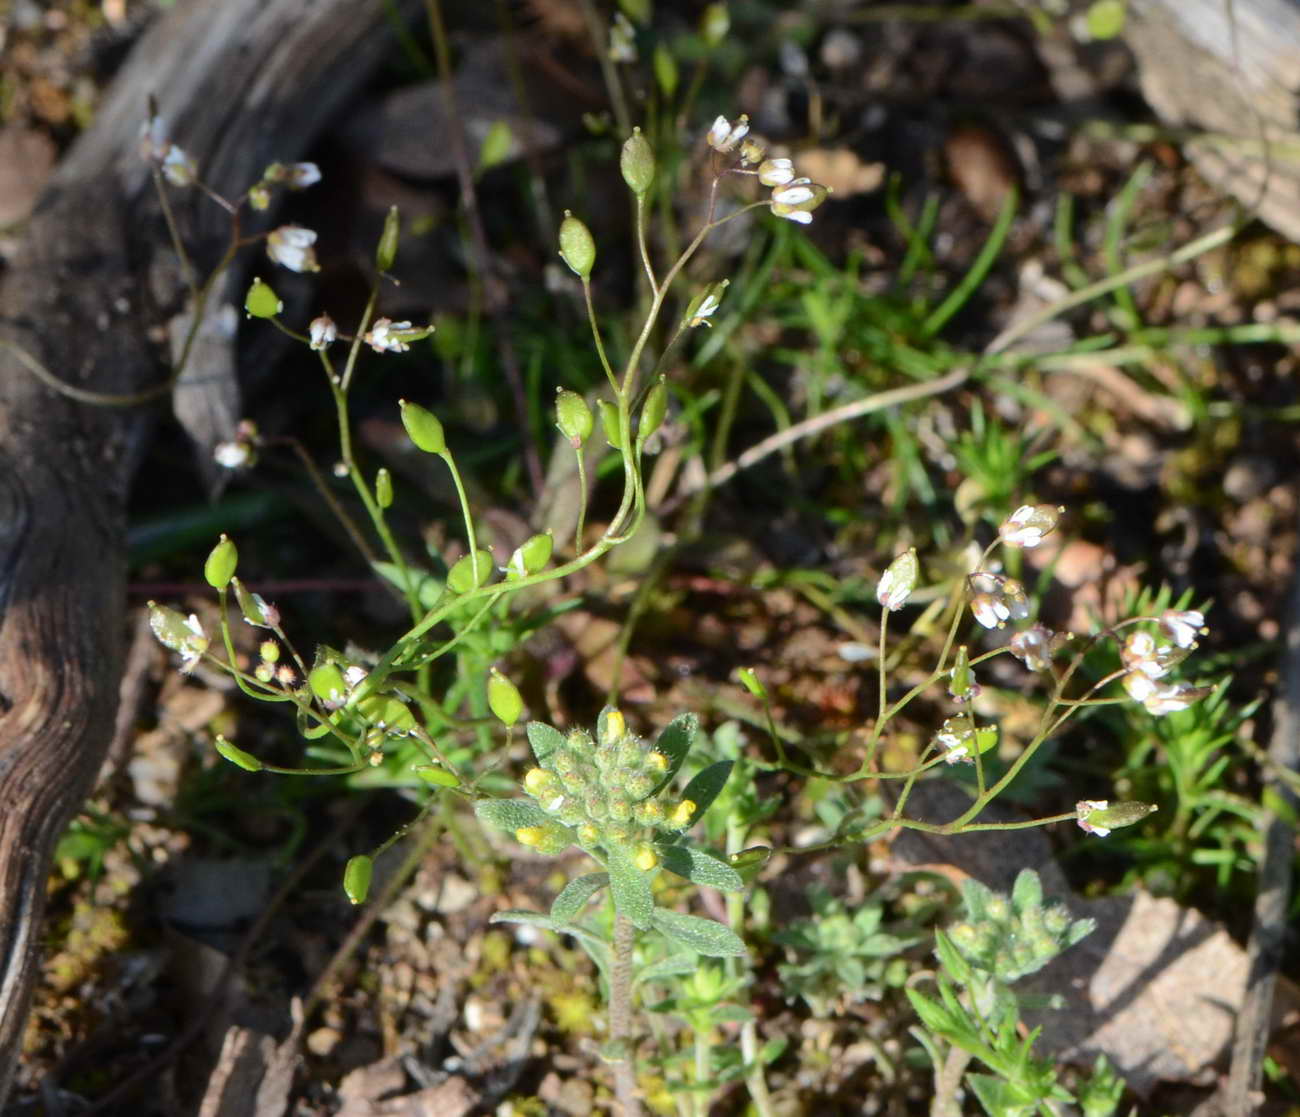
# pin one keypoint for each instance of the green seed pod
(436, 775)
(469, 572)
(423, 428)
(656, 407)
(176, 631)
(357, 875)
(326, 682)
(665, 66)
(637, 162)
(714, 24)
(261, 301)
(237, 756)
(573, 417)
(750, 681)
(387, 711)
(386, 252)
(504, 699)
(531, 556)
(577, 247)
(609, 421)
(220, 565)
(959, 685)
(749, 862)
(384, 488)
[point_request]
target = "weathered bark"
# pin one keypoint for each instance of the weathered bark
(241, 82)
(1231, 68)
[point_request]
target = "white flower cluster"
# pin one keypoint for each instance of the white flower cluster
(995, 600)
(792, 198)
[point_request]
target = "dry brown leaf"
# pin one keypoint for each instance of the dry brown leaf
(841, 169)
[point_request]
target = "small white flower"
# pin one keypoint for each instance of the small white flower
(323, 332)
(177, 167)
(1029, 525)
(1172, 698)
(725, 137)
(1033, 648)
(705, 310)
(1140, 652)
(1014, 597)
(776, 172)
(291, 246)
(299, 176)
(955, 742)
(794, 193)
(898, 581)
(1085, 807)
(153, 140)
(382, 336)
(798, 216)
(1139, 685)
(622, 39)
(354, 674)
(232, 455)
(1183, 626)
(989, 610)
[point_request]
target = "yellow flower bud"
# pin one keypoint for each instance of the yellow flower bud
(646, 858)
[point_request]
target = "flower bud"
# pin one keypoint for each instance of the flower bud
(637, 162)
(898, 581)
(220, 565)
(423, 428)
(751, 682)
(613, 726)
(357, 875)
(646, 858)
(504, 699)
(682, 815)
(1030, 524)
(261, 301)
(386, 252)
(269, 650)
(384, 488)
(573, 417)
(322, 333)
(255, 611)
(577, 247)
(237, 756)
(650, 813)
